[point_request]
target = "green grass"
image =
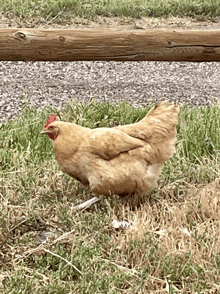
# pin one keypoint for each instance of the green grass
(62, 10)
(174, 243)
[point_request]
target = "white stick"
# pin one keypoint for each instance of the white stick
(86, 204)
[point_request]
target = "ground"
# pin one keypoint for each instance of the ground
(115, 23)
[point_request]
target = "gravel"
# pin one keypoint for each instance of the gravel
(55, 83)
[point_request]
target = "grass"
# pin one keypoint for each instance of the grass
(64, 10)
(173, 246)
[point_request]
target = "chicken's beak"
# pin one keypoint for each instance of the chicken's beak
(44, 132)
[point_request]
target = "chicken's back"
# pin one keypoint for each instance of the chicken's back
(158, 130)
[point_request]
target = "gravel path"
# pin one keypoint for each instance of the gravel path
(54, 83)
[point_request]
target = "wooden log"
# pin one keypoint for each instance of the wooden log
(109, 45)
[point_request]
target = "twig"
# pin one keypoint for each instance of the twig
(122, 268)
(68, 262)
(45, 278)
(40, 247)
(62, 237)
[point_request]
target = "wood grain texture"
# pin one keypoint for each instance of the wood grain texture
(109, 45)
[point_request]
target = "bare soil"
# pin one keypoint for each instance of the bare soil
(118, 23)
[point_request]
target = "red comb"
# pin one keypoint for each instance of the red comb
(52, 118)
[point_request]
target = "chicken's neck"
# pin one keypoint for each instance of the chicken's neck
(67, 142)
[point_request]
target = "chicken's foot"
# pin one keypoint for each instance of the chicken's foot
(86, 204)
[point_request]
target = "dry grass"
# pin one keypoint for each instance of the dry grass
(171, 244)
(184, 236)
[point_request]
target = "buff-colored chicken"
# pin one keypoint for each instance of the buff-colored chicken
(124, 160)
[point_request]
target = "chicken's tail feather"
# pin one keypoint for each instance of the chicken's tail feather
(161, 121)
(163, 110)
(158, 130)
(158, 125)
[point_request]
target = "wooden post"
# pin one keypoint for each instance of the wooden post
(110, 45)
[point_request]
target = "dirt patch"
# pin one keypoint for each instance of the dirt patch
(119, 23)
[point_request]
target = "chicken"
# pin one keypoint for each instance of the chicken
(124, 160)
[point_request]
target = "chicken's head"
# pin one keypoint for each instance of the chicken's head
(51, 129)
